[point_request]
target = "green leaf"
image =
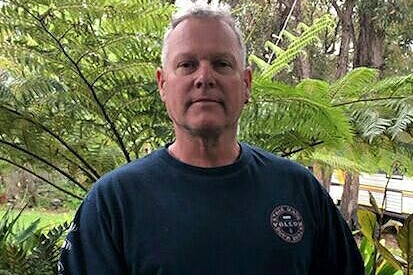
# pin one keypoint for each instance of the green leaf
(314, 87)
(367, 252)
(307, 37)
(373, 203)
(261, 64)
(405, 240)
(28, 232)
(388, 269)
(368, 221)
(354, 83)
(388, 256)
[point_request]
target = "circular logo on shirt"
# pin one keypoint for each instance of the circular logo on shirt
(287, 223)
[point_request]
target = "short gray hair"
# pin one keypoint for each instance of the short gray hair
(200, 9)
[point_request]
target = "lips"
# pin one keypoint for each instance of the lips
(205, 100)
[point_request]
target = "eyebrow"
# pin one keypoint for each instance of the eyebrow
(229, 56)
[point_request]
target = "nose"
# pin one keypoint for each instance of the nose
(205, 78)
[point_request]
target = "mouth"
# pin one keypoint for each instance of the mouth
(206, 101)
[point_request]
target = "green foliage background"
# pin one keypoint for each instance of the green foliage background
(78, 94)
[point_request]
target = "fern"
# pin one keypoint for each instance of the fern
(308, 36)
(402, 116)
(369, 124)
(291, 117)
(336, 161)
(71, 68)
(353, 84)
(29, 251)
(46, 254)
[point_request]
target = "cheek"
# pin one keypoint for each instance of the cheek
(174, 101)
(239, 93)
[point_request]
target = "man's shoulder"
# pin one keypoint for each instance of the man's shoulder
(145, 164)
(274, 161)
(132, 172)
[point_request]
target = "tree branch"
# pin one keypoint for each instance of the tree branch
(340, 14)
(77, 165)
(367, 100)
(286, 154)
(93, 177)
(42, 178)
(84, 79)
(48, 163)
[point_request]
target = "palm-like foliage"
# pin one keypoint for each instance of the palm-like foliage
(381, 114)
(77, 92)
(308, 36)
(372, 117)
(282, 118)
(28, 251)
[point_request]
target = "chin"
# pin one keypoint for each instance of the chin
(206, 130)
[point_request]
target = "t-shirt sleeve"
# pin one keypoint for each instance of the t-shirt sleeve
(337, 252)
(90, 246)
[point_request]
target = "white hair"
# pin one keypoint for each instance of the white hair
(201, 9)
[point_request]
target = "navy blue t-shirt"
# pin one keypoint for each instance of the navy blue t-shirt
(261, 215)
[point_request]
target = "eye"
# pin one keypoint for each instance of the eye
(223, 66)
(186, 64)
(186, 67)
(222, 63)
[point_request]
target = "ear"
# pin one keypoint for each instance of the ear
(160, 78)
(247, 83)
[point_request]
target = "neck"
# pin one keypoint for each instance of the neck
(204, 152)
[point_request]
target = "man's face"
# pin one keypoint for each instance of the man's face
(203, 84)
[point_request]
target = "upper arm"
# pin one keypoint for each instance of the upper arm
(90, 246)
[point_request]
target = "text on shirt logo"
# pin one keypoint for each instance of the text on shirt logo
(287, 223)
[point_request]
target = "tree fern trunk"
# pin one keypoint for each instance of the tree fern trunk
(349, 198)
(323, 174)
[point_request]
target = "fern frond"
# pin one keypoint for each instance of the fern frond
(402, 118)
(16, 259)
(274, 48)
(73, 65)
(314, 87)
(354, 84)
(394, 86)
(295, 48)
(369, 124)
(46, 254)
(336, 161)
(280, 112)
(290, 37)
(261, 64)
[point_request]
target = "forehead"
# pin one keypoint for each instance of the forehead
(203, 36)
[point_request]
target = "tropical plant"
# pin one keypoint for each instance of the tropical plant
(282, 118)
(373, 118)
(357, 110)
(379, 259)
(28, 250)
(77, 91)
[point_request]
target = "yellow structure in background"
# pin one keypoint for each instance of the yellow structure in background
(398, 199)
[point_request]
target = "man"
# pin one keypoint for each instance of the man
(207, 204)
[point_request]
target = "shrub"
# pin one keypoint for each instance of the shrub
(28, 250)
